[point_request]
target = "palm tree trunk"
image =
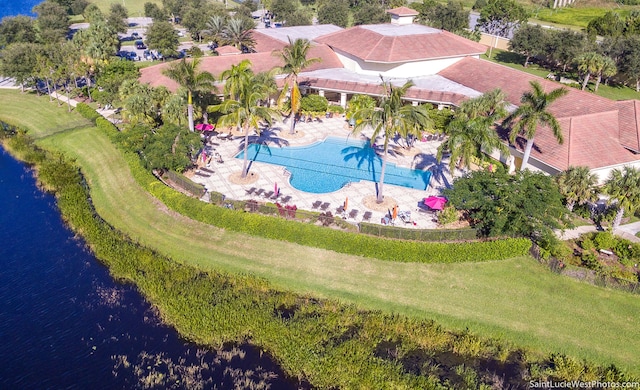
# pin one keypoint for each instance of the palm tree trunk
(527, 153)
(190, 111)
(48, 90)
(598, 83)
(382, 170)
(68, 98)
(586, 80)
(571, 204)
(618, 219)
(245, 161)
(292, 127)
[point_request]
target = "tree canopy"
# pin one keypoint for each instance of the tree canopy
(161, 36)
(499, 204)
(500, 17)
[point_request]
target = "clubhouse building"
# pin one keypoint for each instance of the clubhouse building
(446, 69)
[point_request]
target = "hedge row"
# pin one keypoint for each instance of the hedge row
(419, 234)
(317, 236)
(195, 189)
(86, 111)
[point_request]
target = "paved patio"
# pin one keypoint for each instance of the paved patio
(422, 157)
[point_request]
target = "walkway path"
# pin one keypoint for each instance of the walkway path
(627, 231)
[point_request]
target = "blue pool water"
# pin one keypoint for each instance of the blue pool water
(14, 8)
(327, 166)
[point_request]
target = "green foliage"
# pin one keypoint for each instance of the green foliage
(587, 244)
(604, 240)
(451, 16)
(419, 234)
(314, 104)
(499, 17)
(590, 260)
(359, 102)
(86, 111)
(162, 37)
(334, 12)
(525, 204)
(448, 215)
(370, 13)
(195, 189)
(335, 109)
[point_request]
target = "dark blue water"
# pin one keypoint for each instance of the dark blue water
(17, 7)
(328, 165)
(65, 324)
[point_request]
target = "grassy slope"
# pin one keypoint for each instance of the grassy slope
(514, 299)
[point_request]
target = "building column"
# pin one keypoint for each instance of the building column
(440, 107)
(343, 99)
(321, 92)
(414, 103)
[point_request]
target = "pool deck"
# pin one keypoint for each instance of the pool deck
(406, 198)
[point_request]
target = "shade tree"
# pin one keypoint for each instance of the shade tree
(161, 36)
(18, 29)
(501, 17)
(334, 12)
(52, 22)
(528, 40)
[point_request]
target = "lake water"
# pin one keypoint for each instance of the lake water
(65, 323)
(17, 7)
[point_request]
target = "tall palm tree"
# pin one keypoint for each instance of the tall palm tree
(577, 185)
(294, 57)
(187, 75)
(589, 63)
(215, 28)
(239, 33)
(246, 111)
(390, 117)
(607, 69)
(534, 112)
(471, 134)
(235, 77)
(623, 187)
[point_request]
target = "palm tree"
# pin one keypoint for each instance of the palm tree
(390, 117)
(589, 63)
(577, 185)
(235, 78)
(215, 29)
(471, 134)
(623, 188)
(294, 57)
(532, 113)
(246, 111)
(187, 75)
(607, 70)
(239, 33)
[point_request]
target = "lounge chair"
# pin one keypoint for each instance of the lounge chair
(324, 206)
(316, 204)
(367, 216)
(202, 174)
(275, 196)
(267, 194)
(207, 170)
(250, 190)
(286, 199)
(405, 216)
(258, 192)
(340, 209)
(353, 213)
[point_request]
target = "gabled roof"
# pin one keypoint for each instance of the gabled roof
(260, 62)
(403, 11)
(391, 43)
(630, 124)
(591, 125)
(227, 50)
(283, 34)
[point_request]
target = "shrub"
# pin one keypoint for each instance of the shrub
(587, 244)
(448, 215)
(195, 189)
(86, 111)
(604, 240)
(314, 104)
(335, 109)
(590, 261)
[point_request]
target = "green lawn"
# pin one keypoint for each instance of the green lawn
(517, 299)
(43, 118)
(135, 7)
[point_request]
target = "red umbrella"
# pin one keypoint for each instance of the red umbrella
(435, 202)
(204, 127)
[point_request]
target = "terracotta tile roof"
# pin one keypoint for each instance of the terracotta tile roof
(260, 62)
(630, 124)
(484, 76)
(227, 50)
(366, 43)
(403, 11)
(591, 125)
(266, 43)
(375, 89)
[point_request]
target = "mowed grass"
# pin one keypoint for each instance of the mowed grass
(135, 7)
(42, 119)
(516, 300)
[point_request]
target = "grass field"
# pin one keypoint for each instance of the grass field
(135, 7)
(516, 300)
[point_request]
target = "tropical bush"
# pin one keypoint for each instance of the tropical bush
(86, 111)
(314, 104)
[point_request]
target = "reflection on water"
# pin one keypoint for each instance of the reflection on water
(64, 323)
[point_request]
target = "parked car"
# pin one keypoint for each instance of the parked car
(132, 56)
(135, 35)
(140, 45)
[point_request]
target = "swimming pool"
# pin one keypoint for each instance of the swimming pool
(327, 166)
